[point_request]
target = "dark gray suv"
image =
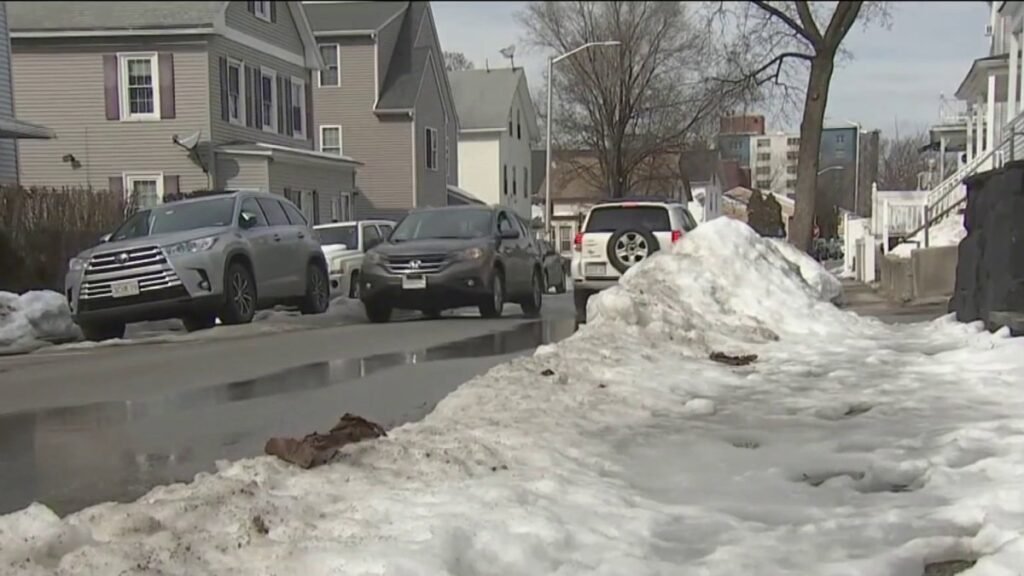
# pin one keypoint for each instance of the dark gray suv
(442, 258)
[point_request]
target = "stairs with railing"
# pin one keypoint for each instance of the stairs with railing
(946, 199)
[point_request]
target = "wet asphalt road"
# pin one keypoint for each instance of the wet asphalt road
(82, 427)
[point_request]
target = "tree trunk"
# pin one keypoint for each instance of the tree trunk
(810, 143)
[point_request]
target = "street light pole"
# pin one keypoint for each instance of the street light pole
(547, 154)
(856, 173)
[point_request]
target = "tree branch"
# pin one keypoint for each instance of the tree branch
(807, 19)
(789, 22)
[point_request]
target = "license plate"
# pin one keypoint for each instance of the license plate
(596, 270)
(414, 282)
(124, 288)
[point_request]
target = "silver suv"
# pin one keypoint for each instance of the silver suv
(226, 255)
(619, 234)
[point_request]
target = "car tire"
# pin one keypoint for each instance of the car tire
(377, 312)
(495, 303)
(432, 313)
(532, 305)
(240, 296)
(103, 331)
(197, 322)
(560, 288)
(640, 237)
(318, 290)
(580, 299)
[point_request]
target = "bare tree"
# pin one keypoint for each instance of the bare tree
(628, 104)
(457, 62)
(900, 161)
(774, 45)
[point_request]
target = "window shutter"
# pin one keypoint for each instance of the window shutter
(248, 96)
(224, 88)
(251, 7)
(273, 11)
(171, 189)
(257, 90)
(288, 115)
(111, 90)
(308, 92)
(166, 63)
(116, 184)
(316, 207)
(280, 105)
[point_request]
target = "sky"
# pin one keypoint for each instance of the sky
(895, 75)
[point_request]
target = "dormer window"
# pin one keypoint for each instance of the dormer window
(262, 10)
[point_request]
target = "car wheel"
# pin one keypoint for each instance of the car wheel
(317, 297)
(580, 299)
(495, 303)
(630, 246)
(561, 287)
(377, 312)
(432, 313)
(531, 307)
(197, 322)
(240, 295)
(104, 331)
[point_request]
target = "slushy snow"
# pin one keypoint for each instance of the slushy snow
(33, 319)
(848, 447)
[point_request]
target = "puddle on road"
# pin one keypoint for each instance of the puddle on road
(72, 457)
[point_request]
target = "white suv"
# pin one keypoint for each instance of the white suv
(619, 234)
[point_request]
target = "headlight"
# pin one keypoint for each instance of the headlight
(469, 254)
(371, 258)
(76, 264)
(191, 246)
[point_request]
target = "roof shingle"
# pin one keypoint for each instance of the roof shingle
(51, 16)
(483, 98)
(351, 16)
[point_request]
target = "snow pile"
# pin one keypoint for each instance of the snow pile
(31, 320)
(948, 232)
(848, 447)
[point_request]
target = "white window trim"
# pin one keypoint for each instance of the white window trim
(240, 121)
(341, 138)
(297, 134)
(265, 72)
(337, 59)
(130, 177)
(432, 151)
(122, 65)
(262, 10)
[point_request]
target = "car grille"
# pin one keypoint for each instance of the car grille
(147, 297)
(147, 265)
(425, 264)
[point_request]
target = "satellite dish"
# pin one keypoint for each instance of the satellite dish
(189, 142)
(509, 51)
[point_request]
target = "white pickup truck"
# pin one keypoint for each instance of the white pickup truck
(344, 244)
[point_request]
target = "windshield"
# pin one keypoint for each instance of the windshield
(436, 224)
(177, 218)
(338, 235)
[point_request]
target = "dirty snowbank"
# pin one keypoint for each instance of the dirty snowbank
(848, 447)
(32, 320)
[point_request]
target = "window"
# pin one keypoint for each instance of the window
(515, 189)
(510, 125)
(249, 205)
(346, 207)
(790, 169)
(298, 108)
(504, 224)
(790, 183)
(331, 75)
(268, 100)
(763, 170)
(519, 127)
(736, 145)
(236, 93)
(295, 218)
(431, 148)
(793, 141)
(140, 82)
(504, 179)
(763, 143)
(565, 237)
(144, 190)
(764, 156)
(371, 236)
(262, 10)
(526, 182)
(386, 229)
(764, 184)
(792, 155)
(273, 211)
(840, 138)
(330, 139)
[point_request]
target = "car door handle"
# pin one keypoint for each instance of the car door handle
(302, 235)
(277, 237)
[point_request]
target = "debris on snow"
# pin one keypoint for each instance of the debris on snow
(741, 360)
(317, 449)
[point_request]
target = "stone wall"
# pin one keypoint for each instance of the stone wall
(990, 272)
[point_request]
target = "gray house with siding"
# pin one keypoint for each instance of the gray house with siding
(157, 98)
(383, 97)
(11, 128)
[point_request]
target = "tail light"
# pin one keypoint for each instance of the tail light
(577, 243)
(676, 235)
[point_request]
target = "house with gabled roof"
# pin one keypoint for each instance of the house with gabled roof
(157, 98)
(384, 97)
(497, 134)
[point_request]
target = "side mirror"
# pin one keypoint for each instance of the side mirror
(246, 220)
(509, 234)
(105, 238)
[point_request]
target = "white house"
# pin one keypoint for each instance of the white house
(498, 125)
